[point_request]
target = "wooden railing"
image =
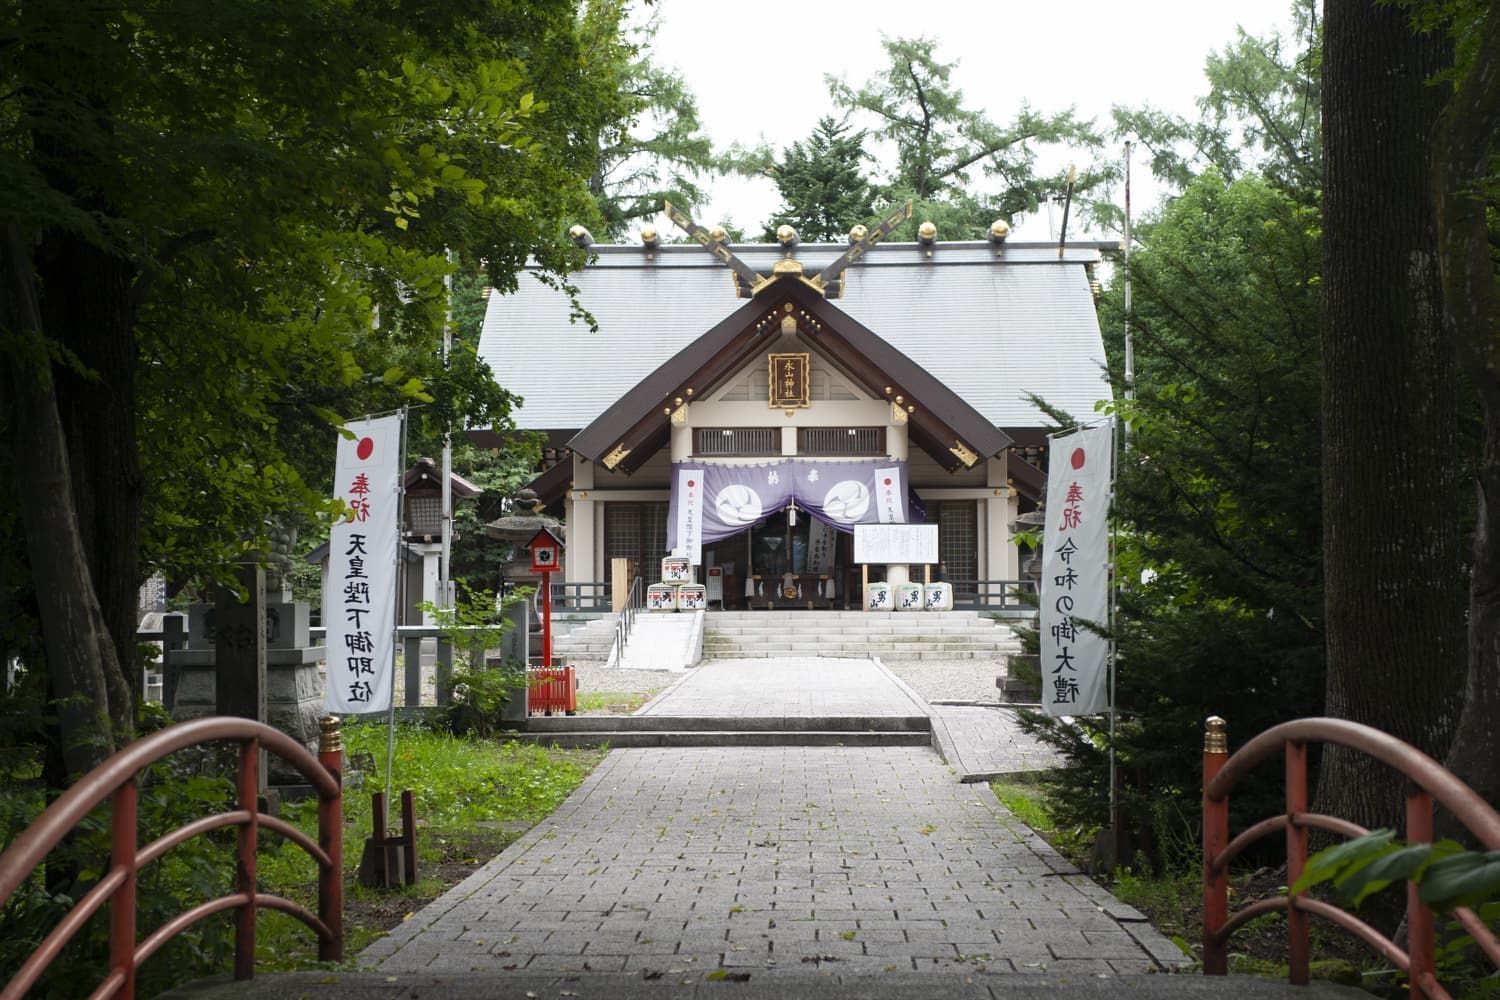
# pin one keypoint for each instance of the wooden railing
(1427, 781)
(116, 781)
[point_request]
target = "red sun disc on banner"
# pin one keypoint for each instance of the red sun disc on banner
(691, 484)
(1077, 458)
(365, 448)
(888, 482)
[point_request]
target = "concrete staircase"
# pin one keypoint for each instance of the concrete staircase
(580, 638)
(889, 635)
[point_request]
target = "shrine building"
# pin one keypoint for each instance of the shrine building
(747, 405)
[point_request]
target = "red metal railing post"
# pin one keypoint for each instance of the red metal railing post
(244, 921)
(1298, 957)
(1215, 839)
(331, 840)
(123, 838)
(1419, 923)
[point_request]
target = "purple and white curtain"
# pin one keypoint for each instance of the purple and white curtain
(711, 501)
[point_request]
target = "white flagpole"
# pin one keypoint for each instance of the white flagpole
(1114, 593)
(390, 733)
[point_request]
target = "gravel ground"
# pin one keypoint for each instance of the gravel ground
(963, 681)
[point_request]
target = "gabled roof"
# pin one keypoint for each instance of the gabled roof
(639, 422)
(991, 324)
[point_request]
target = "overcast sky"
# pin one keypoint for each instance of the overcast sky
(757, 70)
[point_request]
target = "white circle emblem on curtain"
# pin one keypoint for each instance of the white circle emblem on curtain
(847, 501)
(738, 504)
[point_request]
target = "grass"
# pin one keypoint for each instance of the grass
(615, 702)
(1173, 900)
(472, 797)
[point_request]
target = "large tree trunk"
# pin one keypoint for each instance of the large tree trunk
(87, 307)
(86, 680)
(1461, 158)
(1392, 509)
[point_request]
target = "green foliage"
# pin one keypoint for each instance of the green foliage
(1218, 500)
(961, 169)
(172, 793)
(824, 187)
(477, 693)
(655, 150)
(1261, 114)
(1449, 876)
(277, 215)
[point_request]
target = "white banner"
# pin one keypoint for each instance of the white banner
(890, 495)
(689, 498)
(359, 602)
(1075, 572)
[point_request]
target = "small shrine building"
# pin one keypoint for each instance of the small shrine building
(747, 405)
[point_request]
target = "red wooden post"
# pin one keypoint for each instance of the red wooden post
(1419, 929)
(331, 840)
(409, 836)
(1296, 860)
(1215, 839)
(123, 835)
(244, 921)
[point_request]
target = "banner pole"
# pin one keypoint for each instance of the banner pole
(1114, 594)
(390, 731)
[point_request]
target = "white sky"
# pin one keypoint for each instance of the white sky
(758, 70)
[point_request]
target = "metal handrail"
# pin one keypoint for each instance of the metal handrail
(1427, 781)
(116, 780)
(633, 604)
(992, 595)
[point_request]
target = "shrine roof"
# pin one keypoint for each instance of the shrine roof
(991, 323)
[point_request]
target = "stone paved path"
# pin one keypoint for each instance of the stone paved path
(853, 860)
(791, 686)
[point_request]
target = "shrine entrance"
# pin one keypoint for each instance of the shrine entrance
(783, 562)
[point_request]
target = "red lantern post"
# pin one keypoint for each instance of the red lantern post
(546, 555)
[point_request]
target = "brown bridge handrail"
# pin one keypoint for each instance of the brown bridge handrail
(1427, 781)
(115, 779)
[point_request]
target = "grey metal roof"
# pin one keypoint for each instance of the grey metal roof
(990, 324)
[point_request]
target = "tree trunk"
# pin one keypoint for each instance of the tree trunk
(1392, 511)
(1461, 158)
(87, 307)
(80, 654)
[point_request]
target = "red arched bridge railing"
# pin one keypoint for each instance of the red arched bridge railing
(1427, 781)
(116, 779)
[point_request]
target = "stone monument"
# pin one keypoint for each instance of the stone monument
(272, 674)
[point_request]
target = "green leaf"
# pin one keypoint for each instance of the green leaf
(1467, 879)
(1364, 879)
(393, 374)
(1330, 863)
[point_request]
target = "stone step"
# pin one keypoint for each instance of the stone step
(767, 723)
(730, 738)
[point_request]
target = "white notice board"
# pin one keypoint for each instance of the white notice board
(896, 543)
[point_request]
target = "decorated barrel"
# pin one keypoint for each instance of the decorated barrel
(676, 569)
(908, 597)
(692, 597)
(661, 597)
(937, 597)
(879, 597)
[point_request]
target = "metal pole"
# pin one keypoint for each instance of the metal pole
(1113, 654)
(546, 618)
(1129, 346)
(445, 571)
(390, 732)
